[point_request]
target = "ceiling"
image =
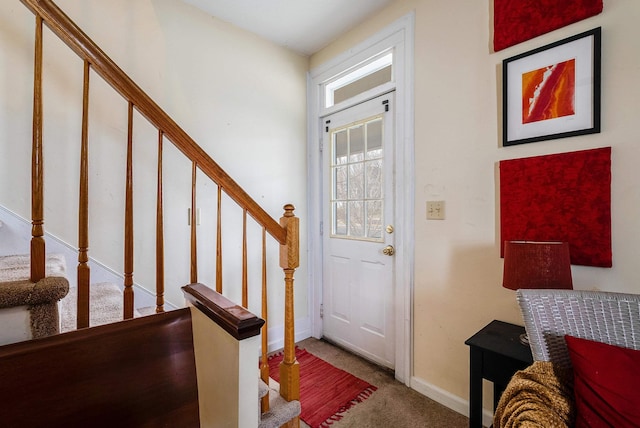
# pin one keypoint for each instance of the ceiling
(304, 26)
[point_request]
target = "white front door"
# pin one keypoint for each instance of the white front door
(358, 225)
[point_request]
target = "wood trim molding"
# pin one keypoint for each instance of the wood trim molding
(234, 319)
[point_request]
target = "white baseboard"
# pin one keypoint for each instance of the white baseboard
(447, 399)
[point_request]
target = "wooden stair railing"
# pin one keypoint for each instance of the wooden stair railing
(285, 232)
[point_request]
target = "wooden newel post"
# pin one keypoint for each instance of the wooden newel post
(289, 261)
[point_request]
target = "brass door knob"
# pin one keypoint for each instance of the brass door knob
(388, 250)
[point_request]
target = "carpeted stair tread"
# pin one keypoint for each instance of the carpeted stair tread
(106, 306)
(17, 290)
(40, 298)
(280, 411)
(16, 267)
(263, 389)
(147, 310)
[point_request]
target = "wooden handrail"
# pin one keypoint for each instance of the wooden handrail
(87, 50)
(234, 319)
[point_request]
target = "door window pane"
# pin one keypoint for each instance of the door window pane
(340, 218)
(356, 143)
(356, 218)
(340, 180)
(356, 181)
(374, 179)
(374, 139)
(357, 196)
(374, 219)
(340, 147)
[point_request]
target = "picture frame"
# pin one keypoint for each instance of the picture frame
(553, 91)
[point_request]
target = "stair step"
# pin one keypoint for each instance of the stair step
(147, 310)
(30, 309)
(280, 411)
(263, 389)
(106, 306)
(17, 267)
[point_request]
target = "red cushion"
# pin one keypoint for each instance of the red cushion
(607, 384)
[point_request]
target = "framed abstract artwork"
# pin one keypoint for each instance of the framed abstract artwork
(553, 91)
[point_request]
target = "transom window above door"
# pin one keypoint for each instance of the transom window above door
(374, 72)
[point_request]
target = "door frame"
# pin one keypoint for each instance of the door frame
(400, 36)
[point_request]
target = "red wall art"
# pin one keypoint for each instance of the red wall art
(515, 21)
(549, 92)
(560, 197)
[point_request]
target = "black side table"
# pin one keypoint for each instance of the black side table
(496, 354)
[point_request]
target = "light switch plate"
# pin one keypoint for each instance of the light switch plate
(435, 210)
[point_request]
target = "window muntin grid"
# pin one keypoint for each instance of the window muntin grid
(357, 186)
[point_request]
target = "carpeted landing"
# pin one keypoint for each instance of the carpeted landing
(392, 405)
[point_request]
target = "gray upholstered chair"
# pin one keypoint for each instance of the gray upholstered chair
(612, 318)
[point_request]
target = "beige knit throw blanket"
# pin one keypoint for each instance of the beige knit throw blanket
(540, 396)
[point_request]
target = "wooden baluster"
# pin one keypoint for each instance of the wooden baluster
(159, 233)
(38, 250)
(219, 244)
(245, 280)
(84, 272)
(264, 363)
(289, 261)
(128, 224)
(194, 247)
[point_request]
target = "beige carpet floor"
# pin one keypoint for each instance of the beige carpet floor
(392, 405)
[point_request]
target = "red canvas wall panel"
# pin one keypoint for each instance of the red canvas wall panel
(515, 21)
(562, 197)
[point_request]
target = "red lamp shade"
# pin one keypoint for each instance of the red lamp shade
(529, 264)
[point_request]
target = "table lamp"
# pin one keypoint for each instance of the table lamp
(530, 264)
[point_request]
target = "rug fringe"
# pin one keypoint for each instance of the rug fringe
(366, 393)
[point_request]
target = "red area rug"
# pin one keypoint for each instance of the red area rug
(325, 391)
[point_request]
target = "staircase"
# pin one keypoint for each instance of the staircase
(279, 405)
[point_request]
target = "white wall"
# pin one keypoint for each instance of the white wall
(240, 97)
(458, 269)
